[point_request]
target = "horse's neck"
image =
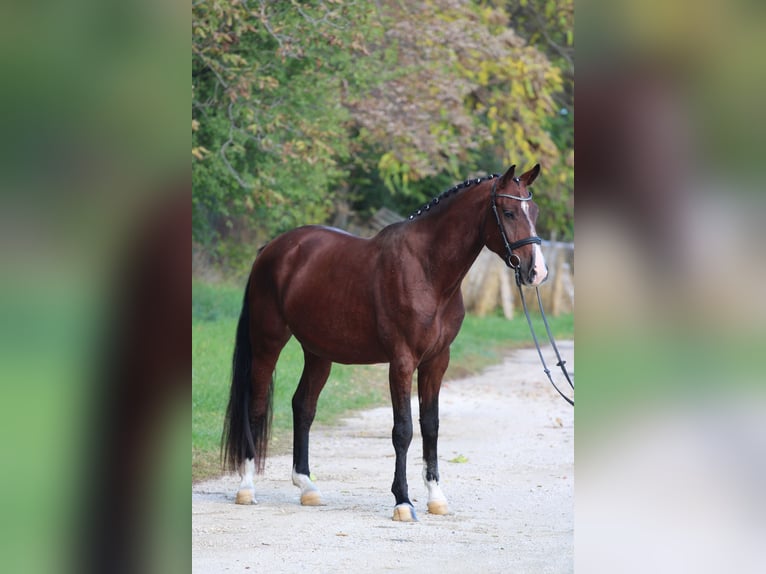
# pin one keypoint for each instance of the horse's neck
(452, 239)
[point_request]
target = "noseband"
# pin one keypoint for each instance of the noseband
(512, 260)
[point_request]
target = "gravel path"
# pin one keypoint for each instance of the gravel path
(506, 449)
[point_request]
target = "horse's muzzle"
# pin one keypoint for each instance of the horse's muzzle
(535, 277)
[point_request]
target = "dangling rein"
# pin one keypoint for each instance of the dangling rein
(514, 263)
(561, 362)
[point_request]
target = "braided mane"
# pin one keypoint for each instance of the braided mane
(452, 190)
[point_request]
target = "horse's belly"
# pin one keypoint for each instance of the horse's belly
(341, 346)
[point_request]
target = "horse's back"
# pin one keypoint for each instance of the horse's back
(310, 247)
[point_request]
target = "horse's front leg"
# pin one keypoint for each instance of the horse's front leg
(400, 381)
(430, 375)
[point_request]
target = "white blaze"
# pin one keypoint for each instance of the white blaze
(539, 259)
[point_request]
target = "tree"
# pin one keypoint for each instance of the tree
(298, 107)
(465, 84)
(549, 26)
(268, 128)
(468, 94)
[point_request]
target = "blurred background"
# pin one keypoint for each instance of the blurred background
(94, 197)
(670, 314)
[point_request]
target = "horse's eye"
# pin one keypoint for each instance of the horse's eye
(508, 214)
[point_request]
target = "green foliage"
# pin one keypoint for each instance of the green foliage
(268, 128)
(301, 109)
(548, 25)
(466, 85)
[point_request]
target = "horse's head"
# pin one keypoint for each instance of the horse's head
(511, 227)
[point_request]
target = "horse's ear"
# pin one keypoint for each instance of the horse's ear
(506, 178)
(531, 175)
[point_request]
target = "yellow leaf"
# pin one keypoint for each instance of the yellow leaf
(483, 78)
(199, 152)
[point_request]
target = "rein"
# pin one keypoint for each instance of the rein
(514, 262)
(561, 362)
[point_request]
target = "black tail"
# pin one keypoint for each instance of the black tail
(245, 436)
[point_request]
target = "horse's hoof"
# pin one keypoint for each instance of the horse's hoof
(245, 496)
(438, 507)
(311, 498)
(405, 513)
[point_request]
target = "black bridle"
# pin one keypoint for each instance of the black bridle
(514, 262)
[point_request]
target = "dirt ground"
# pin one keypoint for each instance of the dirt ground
(506, 459)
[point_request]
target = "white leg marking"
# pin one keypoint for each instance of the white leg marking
(310, 495)
(246, 492)
(437, 502)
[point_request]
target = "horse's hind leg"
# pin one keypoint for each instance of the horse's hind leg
(429, 383)
(315, 373)
(261, 335)
(264, 362)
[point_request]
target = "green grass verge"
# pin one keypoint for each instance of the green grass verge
(215, 309)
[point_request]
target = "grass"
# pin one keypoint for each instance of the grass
(484, 341)
(215, 310)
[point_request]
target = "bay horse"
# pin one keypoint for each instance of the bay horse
(394, 298)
